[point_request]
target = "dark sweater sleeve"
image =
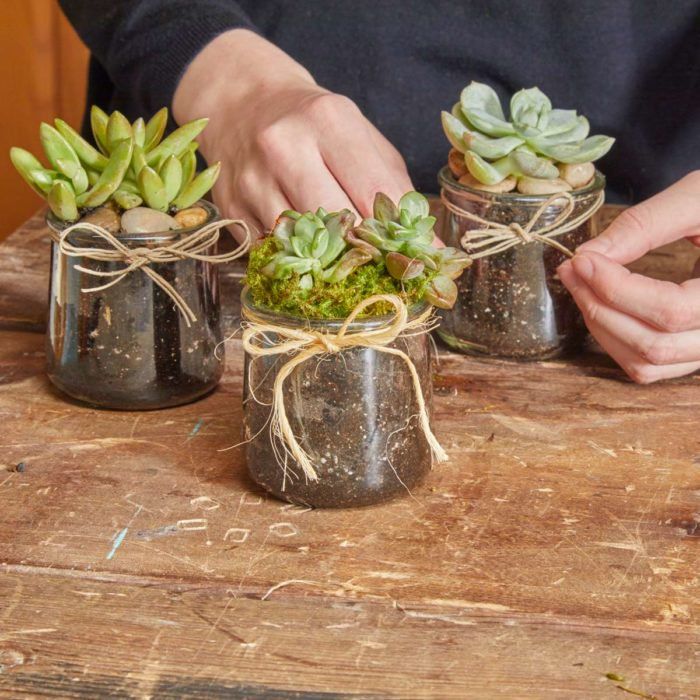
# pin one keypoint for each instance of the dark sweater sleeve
(144, 46)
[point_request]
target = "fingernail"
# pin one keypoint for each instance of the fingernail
(583, 266)
(566, 265)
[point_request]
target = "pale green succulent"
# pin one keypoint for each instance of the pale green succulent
(132, 164)
(403, 236)
(530, 144)
(313, 246)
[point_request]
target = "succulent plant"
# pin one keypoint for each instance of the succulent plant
(402, 234)
(313, 246)
(131, 165)
(536, 143)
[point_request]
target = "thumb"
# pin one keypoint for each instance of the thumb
(668, 216)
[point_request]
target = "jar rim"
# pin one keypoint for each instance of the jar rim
(292, 321)
(447, 181)
(58, 226)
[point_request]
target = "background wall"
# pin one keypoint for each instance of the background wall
(43, 67)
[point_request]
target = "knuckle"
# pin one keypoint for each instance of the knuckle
(659, 351)
(246, 183)
(270, 141)
(636, 219)
(590, 310)
(674, 319)
(330, 105)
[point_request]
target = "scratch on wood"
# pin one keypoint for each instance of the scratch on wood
(284, 529)
(192, 524)
(117, 543)
(205, 503)
(292, 581)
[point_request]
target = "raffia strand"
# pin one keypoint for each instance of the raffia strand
(493, 237)
(189, 247)
(305, 343)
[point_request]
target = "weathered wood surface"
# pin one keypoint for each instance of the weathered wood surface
(559, 544)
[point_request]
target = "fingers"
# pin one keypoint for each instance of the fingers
(352, 152)
(645, 353)
(664, 305)
(668, 216)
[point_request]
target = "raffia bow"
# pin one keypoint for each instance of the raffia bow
(191, 246)
(308, 343)
(496, 237)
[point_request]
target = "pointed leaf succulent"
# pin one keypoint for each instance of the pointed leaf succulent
(131, 163)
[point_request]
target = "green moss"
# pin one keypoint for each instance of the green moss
(326, 300)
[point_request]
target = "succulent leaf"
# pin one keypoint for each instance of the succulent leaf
(25, 164)
(402, 267)
(153, 189)
(441, 292)
(354, 258)
(111, 177)
(530, 107)
(155, 128)
(198, 187)
(589, 149)
(118, 129)
(138, 129)
(491, 148)
(481, 106)
(88, 154)
(43, 179)
(61, 199)
(127, 200)
(488, 173)
(171, 174)
(455, 130)
(61, 156)
(384, 209)
(98, 124)
(189, 167)
(176, 142)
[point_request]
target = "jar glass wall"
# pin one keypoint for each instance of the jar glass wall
(354, 412)
(512, 304)
(128, 346)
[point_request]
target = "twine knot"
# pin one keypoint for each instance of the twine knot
(137, 257)
(493, 237)
(325, 341)
(262, 337)
(193, 246)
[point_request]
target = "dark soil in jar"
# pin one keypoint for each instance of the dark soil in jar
(127, 346)
(354, 413)
(512, 304)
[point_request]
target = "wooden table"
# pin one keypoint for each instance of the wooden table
(561, 542)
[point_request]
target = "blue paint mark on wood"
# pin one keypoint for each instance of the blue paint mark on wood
(117, 542)
(197, 427)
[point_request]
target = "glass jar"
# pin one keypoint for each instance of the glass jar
(354, 412)
(512, 304)
(128, 346)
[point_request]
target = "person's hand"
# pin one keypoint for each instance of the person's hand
(284, 141)
(651, 328)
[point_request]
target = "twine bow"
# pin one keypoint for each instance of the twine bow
(191, 246)
(494, 237)
(307, 343)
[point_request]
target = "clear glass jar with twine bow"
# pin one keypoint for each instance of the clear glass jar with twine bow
(134, 319)
(336, 413)
(511, 303)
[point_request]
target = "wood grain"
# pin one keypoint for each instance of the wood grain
(559, 544)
